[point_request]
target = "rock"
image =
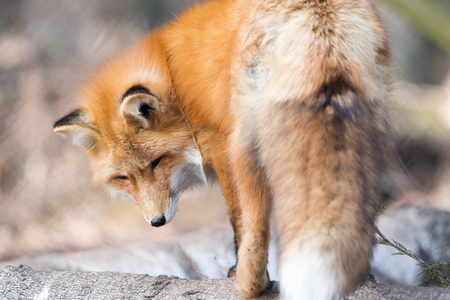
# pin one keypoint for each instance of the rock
(23, 282)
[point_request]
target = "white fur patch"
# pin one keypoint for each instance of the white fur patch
(115, 193)
(81, 136)
(307, 276)
(170, 210)
(184, 177)
(146, 219)
(193, 156)
(131, 106)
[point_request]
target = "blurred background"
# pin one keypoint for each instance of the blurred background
(48, 47)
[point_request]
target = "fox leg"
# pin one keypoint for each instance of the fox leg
(234, 212)
(221, 165)
(251, 274)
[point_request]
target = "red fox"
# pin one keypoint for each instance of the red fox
(286, 103)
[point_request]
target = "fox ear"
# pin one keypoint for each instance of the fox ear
(139, 108)
(77, 126)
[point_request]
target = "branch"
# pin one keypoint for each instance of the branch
(434, 272)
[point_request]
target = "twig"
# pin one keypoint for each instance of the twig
(434, 272)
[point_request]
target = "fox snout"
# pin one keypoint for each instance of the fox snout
(158, 213)
(158, 221)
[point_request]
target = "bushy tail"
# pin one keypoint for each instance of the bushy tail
(324, 157)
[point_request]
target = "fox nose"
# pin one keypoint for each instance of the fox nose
(158, 221)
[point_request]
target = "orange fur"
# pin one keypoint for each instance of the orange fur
(286, 102)
(123, 151)
(296, 89)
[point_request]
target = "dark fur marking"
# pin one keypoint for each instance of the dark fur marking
(74, 118)
(137, 89)
(253, 151)
(236, 245)
(144, 109)
(330, 90)
(340, 147)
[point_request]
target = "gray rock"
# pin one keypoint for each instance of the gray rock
(26, 283)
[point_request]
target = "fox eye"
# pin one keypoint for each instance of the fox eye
(156, 162)
(121, 177)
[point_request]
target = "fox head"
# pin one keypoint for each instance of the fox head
(130, 124)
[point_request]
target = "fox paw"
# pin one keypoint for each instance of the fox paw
(249, 286)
